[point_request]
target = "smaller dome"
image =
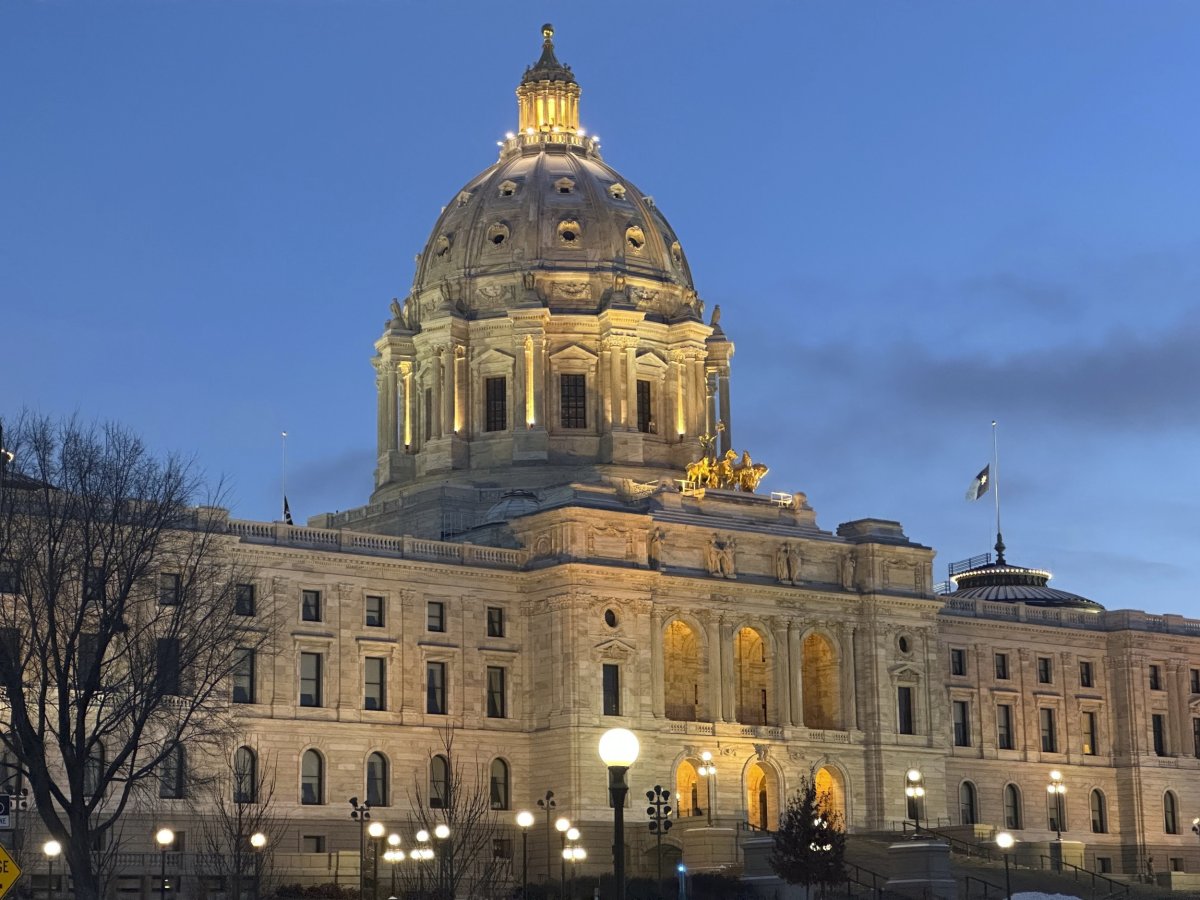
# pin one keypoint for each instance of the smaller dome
(512, 505)
(1001, 582)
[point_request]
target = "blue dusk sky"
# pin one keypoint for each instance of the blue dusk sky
(916, 216)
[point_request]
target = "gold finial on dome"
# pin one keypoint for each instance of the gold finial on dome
(548, 98)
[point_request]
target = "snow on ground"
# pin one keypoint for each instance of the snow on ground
(1038, 895)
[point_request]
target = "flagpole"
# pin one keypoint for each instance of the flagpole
(996, 491)
(283, 479)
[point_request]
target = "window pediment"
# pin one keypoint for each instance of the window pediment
(574, 353)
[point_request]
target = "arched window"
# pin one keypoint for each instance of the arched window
(822, 683)
(312, 779)
(499, 784)
(968, 812)
(245, 776)
(1170, 813)
(1012, 807)
(439, 782)
(171, 775)
(1099, 814)
(377, 780)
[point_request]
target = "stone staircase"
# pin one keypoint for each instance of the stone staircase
(980, 879)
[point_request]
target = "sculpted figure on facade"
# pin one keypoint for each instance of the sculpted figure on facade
(720, 557)
(787, 563)
(849, 567)
(654, 548)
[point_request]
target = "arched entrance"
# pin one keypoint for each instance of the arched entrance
(690, 798)
(685, 693)
(822, 684)
(762, 797)
(831, 790)
(752, 678)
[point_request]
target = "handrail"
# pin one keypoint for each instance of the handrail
(988, 887)
(857, 878)
(1114, 887)
(956, 844)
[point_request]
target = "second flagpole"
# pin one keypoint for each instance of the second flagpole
(996, 491)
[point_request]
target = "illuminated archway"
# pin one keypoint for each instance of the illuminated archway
(822, 684)
(690, 796)
(831, 785)
(752, 670)
(762, 797)
(685, 684)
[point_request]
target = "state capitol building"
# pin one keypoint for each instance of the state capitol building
(564, 537)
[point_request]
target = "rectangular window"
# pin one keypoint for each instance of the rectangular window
(962, 723)
(170, 586)
(1091, 737)
(167, 661)
(435, 688)
(573, 400)
(243, 676)
(1085, 674)
(497, 701)
(1196, 681)
(1045, 675)
(1004, 727)
(10, 577)
(958, 661)
(1002, 667)
(904, 709)
(612, 689)
(1158, 722)
(1155, 678)
(310, 679)
(1049, 732)
(243, 600)
(310, 606)
(93, 585)
(312, 843)
(1104, 865)
(374, 683)
(435, 616)
(645, 417)
(373, 611)
(171, 776)
(1196, 738)
(495, 621)
(496, 404)
(502, 848)
(89, 647)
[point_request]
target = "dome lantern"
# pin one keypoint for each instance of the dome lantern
(548, 97)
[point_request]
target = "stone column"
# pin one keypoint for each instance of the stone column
(435, 417)
(710, 397)
(381, 412)
(657, 674)
(728, 667)
(783, 681)
(449, 390)
(393, 412)
(678, 413)
(606, 385)
(617, 370)
(461, 385)
(727, 434)
(407, 405)
(539, 380)
(796, 673)
(520, 384)
(1177, 719)
(716, 671)
(631, 384)
(697, 423)
(846, 654)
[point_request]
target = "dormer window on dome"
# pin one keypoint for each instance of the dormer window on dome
(508, 188)
(497, 234)
(568, 232)
(616, 191)
(441, 247)
(564, 186)
(635, 239)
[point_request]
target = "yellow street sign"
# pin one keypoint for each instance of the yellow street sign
(9, 872)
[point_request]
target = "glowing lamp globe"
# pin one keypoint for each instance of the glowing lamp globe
(525, 818)
(1004, 840)
(1056, 775)
(258, 840)
(572, 834)
(52, 848)
(422, 835)
(566, 854)
(165, 837)
(442, 832)
(393, 840)
(376, 829)
(913, 774)
(619, 748)
(562, 823)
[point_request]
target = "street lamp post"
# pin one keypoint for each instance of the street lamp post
(375, 830)
(393, 855)
(258, 841)
(574, 855)
(547, 804)
(425, 854)
(659, 812)
(51, 849)
(1056, 788)
(524, 820)
(1005, 841)
(618, 750)
(914, 789)
(562, 824)
(708, 770)
(361, 813)
(446, 863)
(165, 838)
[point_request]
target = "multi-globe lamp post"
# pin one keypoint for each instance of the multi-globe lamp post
(375, 830)
(1056, 789)
(392, 855)
(574, 855)
(361, 813)
(618, 751)
(164, 837)
(562, 825)
(914, 789)
(525, 822)
(258, 841)
(708, 771)
(1005, 842)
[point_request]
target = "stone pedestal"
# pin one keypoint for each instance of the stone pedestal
(922, 869)
(444, 454)
(758, 874)
(621, 447)
(530, 446)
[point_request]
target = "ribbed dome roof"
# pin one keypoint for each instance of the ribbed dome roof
(552, 207)
(1002, 582)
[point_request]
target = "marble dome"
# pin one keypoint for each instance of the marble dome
(551, 206)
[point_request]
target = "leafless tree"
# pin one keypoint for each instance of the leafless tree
(118, 627)
(236, 805)
(475, 860)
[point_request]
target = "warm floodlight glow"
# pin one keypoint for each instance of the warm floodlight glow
(441, 832)
(525, 818)
(562, 823)
(619, 747)
(913, 774)
(1004, 840)
(165, 837)
(258, 840)
(52, 848)
(580, 854)
(572, 834)
(706, 756)
(1055, 775)
(566, 854)
(376, 829)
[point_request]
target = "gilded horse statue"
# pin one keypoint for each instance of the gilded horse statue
(726, 473)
